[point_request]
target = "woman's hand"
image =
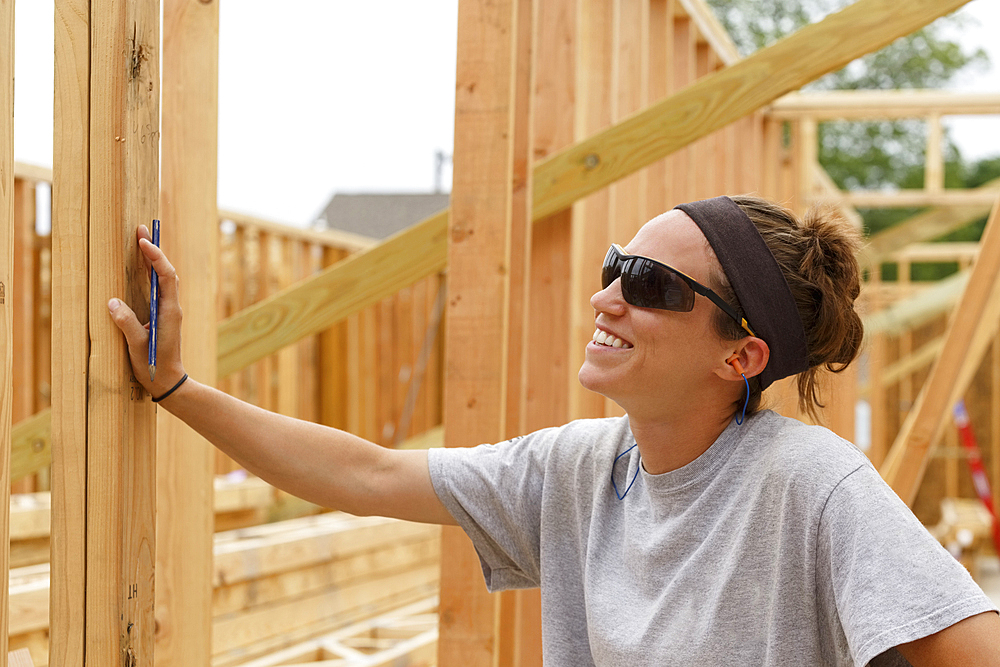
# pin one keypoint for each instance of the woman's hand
(169, 368)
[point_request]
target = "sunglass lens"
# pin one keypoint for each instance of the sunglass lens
(612, 267)
(649, 285)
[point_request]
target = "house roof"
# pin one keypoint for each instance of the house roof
(380, 215)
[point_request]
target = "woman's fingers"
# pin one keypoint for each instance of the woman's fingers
(135, 334)
(164, 269)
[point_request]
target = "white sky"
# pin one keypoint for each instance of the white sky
(329, 96)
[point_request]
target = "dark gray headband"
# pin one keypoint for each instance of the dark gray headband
(757, 280)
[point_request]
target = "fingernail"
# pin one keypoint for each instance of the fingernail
(113, 305)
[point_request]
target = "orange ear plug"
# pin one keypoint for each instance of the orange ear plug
(734, 361)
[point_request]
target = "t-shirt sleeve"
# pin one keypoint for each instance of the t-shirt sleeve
(494, 492)
(890, 580)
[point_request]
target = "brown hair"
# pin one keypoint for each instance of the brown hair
(817, 256)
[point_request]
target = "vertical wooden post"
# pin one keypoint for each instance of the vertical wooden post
(549, 372)
(6, 309)
(934, 155)
(479, 255)
(70, 347)
(190, 237)
(121, 419)
(333, 388)
(590, 234)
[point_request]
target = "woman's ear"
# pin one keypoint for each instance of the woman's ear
(748, 358)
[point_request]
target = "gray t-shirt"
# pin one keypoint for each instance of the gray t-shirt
(780, 545)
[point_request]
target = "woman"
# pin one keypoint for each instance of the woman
(696, 530)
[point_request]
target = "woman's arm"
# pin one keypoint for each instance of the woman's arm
(323, 465)
(972, 642)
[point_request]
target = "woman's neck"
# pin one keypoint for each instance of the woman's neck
(671, 441)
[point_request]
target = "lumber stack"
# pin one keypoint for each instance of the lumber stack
(240, 501)
(278, 585)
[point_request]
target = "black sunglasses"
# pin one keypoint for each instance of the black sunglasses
(647, 283)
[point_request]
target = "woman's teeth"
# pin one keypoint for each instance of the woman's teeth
(609, 340)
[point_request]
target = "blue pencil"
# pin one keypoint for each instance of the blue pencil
(154, 298)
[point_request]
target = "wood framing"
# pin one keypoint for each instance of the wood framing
(6, 306)
(966, 340)
(716, 100)
(359, 281)
(924, 226)
(190, 237)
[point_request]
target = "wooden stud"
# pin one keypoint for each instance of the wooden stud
(543, 313)
(658, 52)
(333, 363)
(965, 341)
(934, 155)
(287, 361)
(190, 238)
(478, 290)
(6, 294)
(70, 262)
(121, 424)
(590, 235)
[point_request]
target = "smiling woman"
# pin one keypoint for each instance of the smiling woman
(675, 534)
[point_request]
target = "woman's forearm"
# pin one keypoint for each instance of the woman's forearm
(323, 465)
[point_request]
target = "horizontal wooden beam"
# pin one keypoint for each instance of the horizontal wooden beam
(315, 304)
(32, 172)
(718, 99)
(917, 309)
(952, 197)
(924, 226)
(958, 251)
(328, 237)
(908, 365)
(881, 104)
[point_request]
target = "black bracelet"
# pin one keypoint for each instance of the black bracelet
(172, 389)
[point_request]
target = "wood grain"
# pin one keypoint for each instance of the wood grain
(70, 348)
(121, 423)
(479, 247)
(7, 290)
(190, 239)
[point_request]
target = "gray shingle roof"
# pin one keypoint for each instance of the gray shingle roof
(380, 215)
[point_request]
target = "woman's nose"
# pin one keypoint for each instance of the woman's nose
(609, 300)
